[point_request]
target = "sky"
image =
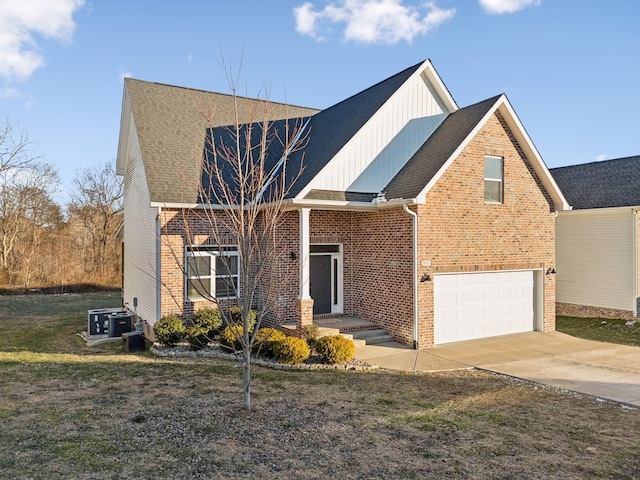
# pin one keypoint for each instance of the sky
(570, 68)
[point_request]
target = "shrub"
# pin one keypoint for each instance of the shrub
(291, 350)
(169, 330)
(335, 349)
(208, 320)
(310, 334)
(266, 338)
(205, 323)
(230, 337)
(235, 317)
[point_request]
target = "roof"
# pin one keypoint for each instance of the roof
(174, 125)
(171, 123)
(435, 152)
(610, 183)
(332, 128)
(325, 134)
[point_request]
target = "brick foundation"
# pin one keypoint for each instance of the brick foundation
(584, 311)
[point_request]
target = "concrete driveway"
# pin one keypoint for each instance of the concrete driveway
(604, 370)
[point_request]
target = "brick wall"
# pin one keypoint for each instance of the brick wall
(459, 232)
(377, 264)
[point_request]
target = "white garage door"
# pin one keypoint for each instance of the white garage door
(478, 305)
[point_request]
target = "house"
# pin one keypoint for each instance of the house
(597, 242)
(435, 222)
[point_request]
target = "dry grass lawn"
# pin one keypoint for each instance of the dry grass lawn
(67, 412)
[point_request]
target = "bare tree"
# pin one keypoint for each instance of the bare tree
(24, 193)
(245, 181)
(96, 204)
(16, 147)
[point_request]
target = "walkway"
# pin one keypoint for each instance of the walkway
(601, 369)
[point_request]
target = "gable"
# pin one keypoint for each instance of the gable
(171, 124)
(610, 183)
(460, 188)
(379, 130)
(444, 146)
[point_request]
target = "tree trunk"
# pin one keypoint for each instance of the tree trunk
(246, 378)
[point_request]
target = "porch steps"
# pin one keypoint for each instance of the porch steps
(374, 336)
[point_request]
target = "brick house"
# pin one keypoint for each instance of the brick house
(435, 222)
(598, 241)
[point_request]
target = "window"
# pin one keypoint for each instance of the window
(493, 167)
(212, 272)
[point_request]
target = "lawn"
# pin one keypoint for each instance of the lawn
(70, 412)
(600, 329)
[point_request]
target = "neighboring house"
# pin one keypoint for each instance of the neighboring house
(598, 243)
(435, 222)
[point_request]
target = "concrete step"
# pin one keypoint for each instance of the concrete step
(373, 337)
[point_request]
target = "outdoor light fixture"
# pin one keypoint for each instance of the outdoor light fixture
(425, 277)
(293, 255)
(550, 271)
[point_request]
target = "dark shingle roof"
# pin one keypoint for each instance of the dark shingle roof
(610, 183)
(331, 129)
(171, 123)
(438, 148)
(326, 133)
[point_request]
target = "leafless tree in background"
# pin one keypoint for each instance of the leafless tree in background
(96, 205)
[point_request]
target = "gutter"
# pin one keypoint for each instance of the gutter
(405, 207)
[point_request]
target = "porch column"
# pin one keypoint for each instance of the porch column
(304, 300)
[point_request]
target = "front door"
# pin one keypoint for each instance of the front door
(325, 278)
(320, 283)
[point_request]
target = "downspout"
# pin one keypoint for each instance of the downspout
(158, 266)
(636, 260)
(415, 275)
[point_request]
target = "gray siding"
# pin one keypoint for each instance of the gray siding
(595, 258)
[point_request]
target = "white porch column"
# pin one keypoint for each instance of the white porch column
(304, 254)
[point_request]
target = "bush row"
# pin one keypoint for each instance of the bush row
(207, 323)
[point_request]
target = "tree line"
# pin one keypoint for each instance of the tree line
(44, 243)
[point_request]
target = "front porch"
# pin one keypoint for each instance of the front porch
(362, 332)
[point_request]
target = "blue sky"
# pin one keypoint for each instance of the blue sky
(570, 68)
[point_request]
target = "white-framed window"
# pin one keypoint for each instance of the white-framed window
(212, 272)
(493, 179)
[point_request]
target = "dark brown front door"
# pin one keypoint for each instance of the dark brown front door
(320, 283)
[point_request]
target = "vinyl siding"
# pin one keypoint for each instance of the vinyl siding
(595, 258)
(139, 235)
(386, 142)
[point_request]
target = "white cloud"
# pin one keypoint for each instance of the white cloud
(20, 20)
(601, 157)
(122, 75)
(371, 21)
(499, 7)
(9, 93)
(190, 58)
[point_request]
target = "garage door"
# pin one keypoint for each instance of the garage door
(478, 305)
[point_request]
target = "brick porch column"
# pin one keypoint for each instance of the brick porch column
(305, 302)
(305, 313)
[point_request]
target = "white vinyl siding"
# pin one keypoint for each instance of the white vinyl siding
(386, 142)
(485, 304)
(140, 279)
(595, 258)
